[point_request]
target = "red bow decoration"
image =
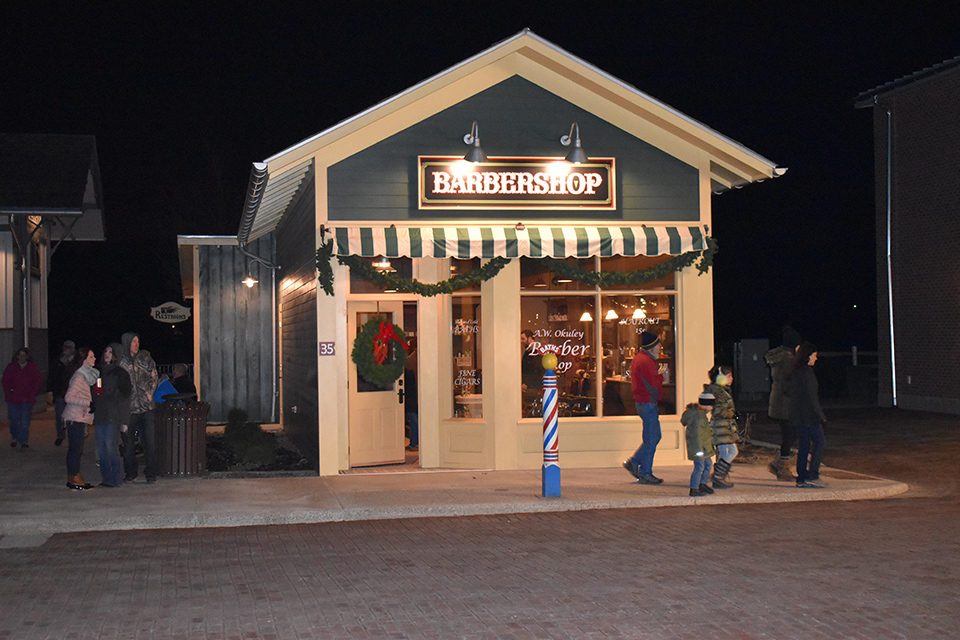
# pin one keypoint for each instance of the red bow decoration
(381, 342)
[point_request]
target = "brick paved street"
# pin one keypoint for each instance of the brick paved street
(872, 569)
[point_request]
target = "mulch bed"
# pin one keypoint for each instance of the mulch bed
(221, 459)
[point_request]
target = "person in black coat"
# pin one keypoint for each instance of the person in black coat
(806, 416)
(61, 370)
(112, 415)
(181, 379)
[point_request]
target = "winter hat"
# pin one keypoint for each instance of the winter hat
(791, 338)
(706, 399)
(804, 351)
(649, 340)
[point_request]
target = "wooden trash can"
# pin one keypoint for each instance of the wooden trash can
(182, 437)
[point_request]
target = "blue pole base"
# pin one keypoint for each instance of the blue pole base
(551, 481)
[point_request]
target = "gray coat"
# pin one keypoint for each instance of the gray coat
(779, 360)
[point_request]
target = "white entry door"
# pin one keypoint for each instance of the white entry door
(376, 415)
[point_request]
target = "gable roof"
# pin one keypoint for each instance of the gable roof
(56, 176)
(275, 181)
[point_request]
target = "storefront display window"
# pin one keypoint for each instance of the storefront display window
(577, 323)
(625, 317)
(567, 324)
(467, 374)
(535, 275)
(465, 268)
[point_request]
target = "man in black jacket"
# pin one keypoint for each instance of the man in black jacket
(60, 374)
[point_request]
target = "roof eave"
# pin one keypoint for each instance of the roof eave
(872, 97)
(748, 165)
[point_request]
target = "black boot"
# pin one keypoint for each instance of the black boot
(721, 475)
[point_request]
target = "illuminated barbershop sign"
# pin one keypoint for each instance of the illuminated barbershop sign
(516, 183)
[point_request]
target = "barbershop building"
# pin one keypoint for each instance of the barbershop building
(574, 210)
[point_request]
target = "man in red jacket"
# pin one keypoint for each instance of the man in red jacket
(21, 384)
(647, 390)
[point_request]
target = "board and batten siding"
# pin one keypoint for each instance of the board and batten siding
(296, 254)
(236, 329)
(7, 273)
(515, 118)
(10, 339)
(925, 201)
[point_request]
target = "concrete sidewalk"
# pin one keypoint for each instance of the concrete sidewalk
(34, 502)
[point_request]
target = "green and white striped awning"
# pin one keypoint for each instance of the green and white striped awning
(509, 242)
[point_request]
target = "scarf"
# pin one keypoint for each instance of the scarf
(89, 374)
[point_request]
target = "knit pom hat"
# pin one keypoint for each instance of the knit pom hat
(649, 340)
(791, 338)
(706, 399)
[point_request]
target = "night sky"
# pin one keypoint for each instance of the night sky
(183, 97)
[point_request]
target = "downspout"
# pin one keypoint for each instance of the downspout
(273, 319)
(893, 350)
(274, 409)
(27, 272)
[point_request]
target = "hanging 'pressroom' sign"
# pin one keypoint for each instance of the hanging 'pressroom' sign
(516, 183)
(170, 312)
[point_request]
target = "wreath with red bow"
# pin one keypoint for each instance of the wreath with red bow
(380, 352)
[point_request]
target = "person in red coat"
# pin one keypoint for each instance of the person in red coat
(647, 391)
(21, 384)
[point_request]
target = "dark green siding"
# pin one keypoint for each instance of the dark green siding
(296, 253)
(516, 118)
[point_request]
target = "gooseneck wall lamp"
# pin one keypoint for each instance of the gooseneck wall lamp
(577, 154)
(475, 154)
(252, 259)
(250, 280)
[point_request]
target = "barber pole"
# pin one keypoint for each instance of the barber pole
(551, 448)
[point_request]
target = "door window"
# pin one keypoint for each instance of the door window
(363, 385)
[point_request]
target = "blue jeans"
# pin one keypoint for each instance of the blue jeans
(111, 466)
(727, 451)
(701, 472)
(144, 425)
(76, 432)
(19, 415)
(643, 457)
(414, 420)
(810, 443)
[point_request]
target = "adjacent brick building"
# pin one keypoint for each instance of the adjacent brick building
(917, 151)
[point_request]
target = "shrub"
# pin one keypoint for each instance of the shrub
(250, 443)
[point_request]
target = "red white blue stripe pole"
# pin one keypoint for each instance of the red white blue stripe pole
(551, 447)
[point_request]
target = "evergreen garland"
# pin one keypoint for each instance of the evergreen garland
(604, 279)
(325, 275)
(407, 285)
(600, 279)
